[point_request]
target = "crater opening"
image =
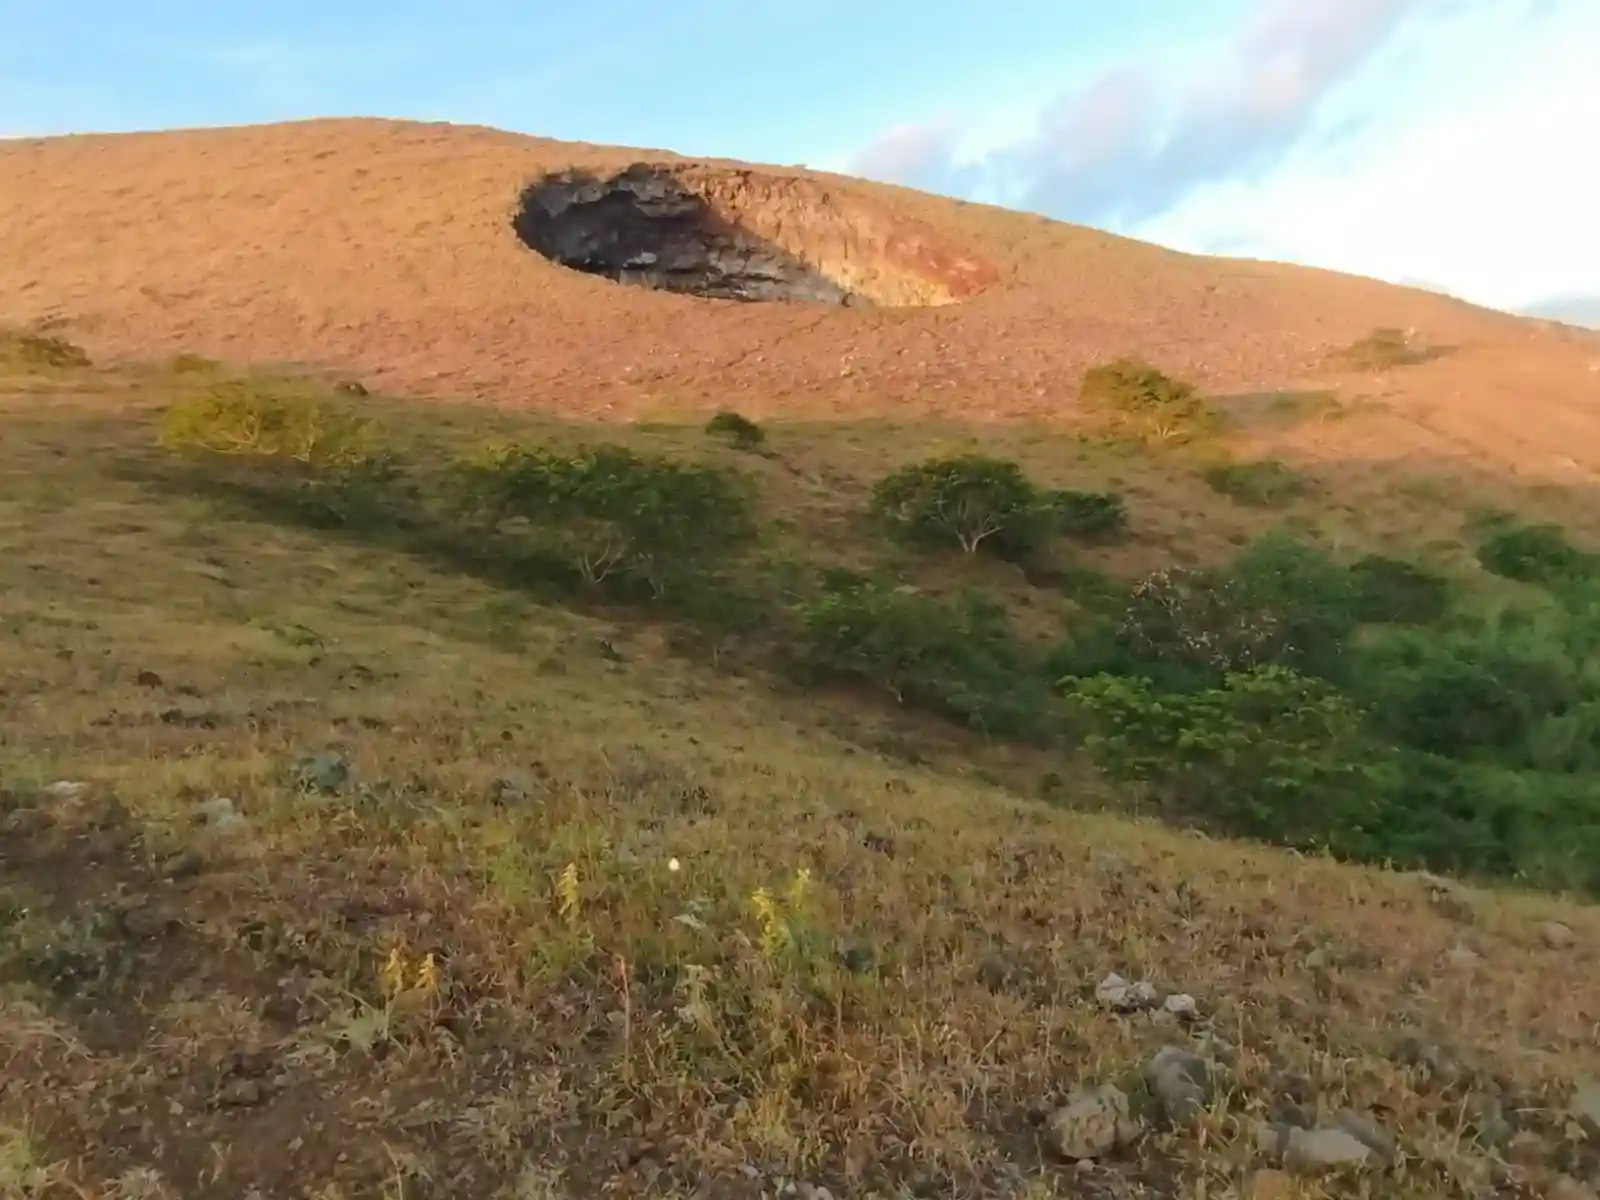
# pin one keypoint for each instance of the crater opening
(742, 235)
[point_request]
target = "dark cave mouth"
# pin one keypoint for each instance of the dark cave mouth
(735, 235)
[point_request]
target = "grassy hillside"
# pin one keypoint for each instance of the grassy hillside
(355, 844)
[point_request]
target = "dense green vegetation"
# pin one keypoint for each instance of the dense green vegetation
(1371, 708)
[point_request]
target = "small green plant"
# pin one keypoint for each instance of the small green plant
(1393, 591)
(1091, 516)
(1144, 403)
(1264, 484)
(241, 418)
(740, 430)
(40, 350)
(1534, 554)
(972, 501)
(615, 512)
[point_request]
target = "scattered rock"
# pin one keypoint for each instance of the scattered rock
(511, 789)
(240, 1093)
(323, 773)
(64, 789)
(25, 822)
(1182, 1006)
(1181, 1083)
(1000, 971)
(1314, 1150)
(1586, 1106)
(856, 955)
(1369, 1133)
(1489, 1122)
(1092, 1124)
(1117, 994)
(1448, 896)
(1556, 936)
(219, 813)
(1269, 1185)
(184, 865)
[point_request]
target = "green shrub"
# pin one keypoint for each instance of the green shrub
(1393, 591)
(618, 514)
(39, 350)
(740, 430)
(1091, 516)
(1265, 484)
(971, 501)
(238, 417)
(1534, 554)
(1144, 403)
(1269, 753)
(962, 661)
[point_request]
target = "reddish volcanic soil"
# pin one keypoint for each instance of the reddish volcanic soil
(388, 249)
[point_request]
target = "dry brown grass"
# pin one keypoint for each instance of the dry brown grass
(698, 944)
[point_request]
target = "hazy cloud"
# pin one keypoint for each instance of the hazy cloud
(1130, 144)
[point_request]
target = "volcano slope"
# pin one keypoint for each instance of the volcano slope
(358, 840)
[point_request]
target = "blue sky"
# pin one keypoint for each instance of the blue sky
(1429, 141)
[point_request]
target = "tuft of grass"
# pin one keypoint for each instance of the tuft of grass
(1384, 349)
(42, 351)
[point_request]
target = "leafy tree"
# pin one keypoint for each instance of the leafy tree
(616, 512)
(1270, 753)
(971, 501)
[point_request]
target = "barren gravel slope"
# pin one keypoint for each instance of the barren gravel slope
(386, 248)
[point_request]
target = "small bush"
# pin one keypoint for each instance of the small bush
(1534, 554)
(962, 661)
(1144, 403)
(971, 501)
(1383, 349)
(1091, 516)
(246, 419)
(1265, 484)
(740, 430)
(617, 513)
(1392, 591)
(38, 350)
(186, 363)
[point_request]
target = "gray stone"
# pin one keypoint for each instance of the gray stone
(1586, 1106)
(1314, 1150)
(511, 789)
(1182, 1006)
(1117, 994)
(1463, 958)
(1556, 936)
(323, 773)
(64, 789)
(1091, 1124)
(219, 813)
(1369, 1133)
(1181, 1083)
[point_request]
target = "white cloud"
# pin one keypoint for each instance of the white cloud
(1487, 188)
(1447, 141)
